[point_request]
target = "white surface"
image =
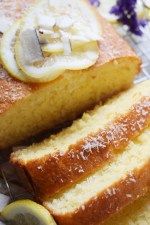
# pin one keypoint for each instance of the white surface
(1, 223)
(4, 200)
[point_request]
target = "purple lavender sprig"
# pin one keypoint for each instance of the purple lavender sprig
(125, 10)
(95, 2)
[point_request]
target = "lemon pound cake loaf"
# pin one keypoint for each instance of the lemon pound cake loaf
(104, 65)
(137, 213)
(90, 143)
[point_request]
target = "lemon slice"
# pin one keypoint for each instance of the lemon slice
(5, 23)
(146, 13)
(7, 52)
(104, 9)
(147, 3)
(68, 58)
(26, 212)
(106, 6)
(139, 8)
(55, 65)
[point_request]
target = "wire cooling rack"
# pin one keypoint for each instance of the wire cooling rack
(141, 44)
(10, 182)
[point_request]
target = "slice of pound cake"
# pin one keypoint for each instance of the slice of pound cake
(137, 213)
(91, 143)
(108, 190)
(27, 109)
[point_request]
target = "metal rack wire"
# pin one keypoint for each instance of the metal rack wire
(12, 183)
(142, 48)
(9, 180)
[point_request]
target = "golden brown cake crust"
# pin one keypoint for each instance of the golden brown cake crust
(111, 47)
(52, 173)
(110, 201)
(12, 90)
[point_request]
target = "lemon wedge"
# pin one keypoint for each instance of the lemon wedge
(7, 52)
(27, 212)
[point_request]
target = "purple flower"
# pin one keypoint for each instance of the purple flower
(95, 2)
(125, 10)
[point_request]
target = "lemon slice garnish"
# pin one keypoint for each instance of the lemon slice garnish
(106, 6)
(27, 212)
(71, 32)
(63, 54)
(139, 8)
(55, 65)
(104, 9)
(146, 13)
(7, 52)
(146, 3)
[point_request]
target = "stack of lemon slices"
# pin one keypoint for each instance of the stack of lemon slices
(50, 38)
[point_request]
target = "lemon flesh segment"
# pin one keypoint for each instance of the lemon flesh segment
(57, 47)
(54, 47)
(27, 212)
(7, 54)
(85, 50)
